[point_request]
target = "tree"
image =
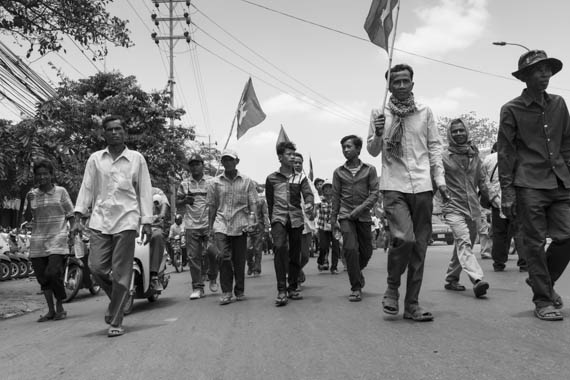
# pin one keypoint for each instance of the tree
(42, 23)
(482, 131)
(66, 130)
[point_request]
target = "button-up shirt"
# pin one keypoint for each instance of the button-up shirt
(324, 215)
(533, 144)
(196, 214)
(233, 200)
(491, 172)
(464, 180)
(421, 158)
(119, 191)
(354, 191)
(285, 194)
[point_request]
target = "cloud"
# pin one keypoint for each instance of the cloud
(449, 103)
(260, 139)
(449, 25)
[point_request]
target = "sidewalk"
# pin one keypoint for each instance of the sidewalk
(18, 297)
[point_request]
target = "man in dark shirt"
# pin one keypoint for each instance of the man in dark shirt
(533, 155)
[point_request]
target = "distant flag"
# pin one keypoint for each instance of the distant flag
(282, 136)
(310, 169)
(249, 113)
(379, 22)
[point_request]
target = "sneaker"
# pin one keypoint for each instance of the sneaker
(226, 298)
(197, 294)
(480, 288)
(334, 271)
(240, 297)
(213, 286)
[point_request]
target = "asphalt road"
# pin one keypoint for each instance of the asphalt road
(322, 336)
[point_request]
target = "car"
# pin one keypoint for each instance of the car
(440, 230)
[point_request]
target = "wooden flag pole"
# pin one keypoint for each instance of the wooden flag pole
(383, 105)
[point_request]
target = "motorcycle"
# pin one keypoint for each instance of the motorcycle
(177, 255)
(5, 267)
(140, 282)
(77, 274)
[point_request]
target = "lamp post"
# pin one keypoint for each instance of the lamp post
(503, 43)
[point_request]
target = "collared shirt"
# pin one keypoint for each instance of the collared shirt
(324, 215)
(195, 215)
(50, 212)
(285, 195)
(310, 225)
(350, 192)
(119, 191)
(464, 181)
(491, 172)
(533, 144)
(421, 158)
(233, 200)
(176, 230)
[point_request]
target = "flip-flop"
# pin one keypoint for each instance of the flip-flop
(355, 297)
(390, 305)
(418, 315)
(115, 331)
(45, 318)
(60, 315)
(548, 313)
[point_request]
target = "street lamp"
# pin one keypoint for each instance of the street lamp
(503, 43)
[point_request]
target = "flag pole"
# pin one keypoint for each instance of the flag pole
(383, 105)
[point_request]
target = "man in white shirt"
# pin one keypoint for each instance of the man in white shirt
(117, 186)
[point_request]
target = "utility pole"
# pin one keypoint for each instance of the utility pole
(171, 38)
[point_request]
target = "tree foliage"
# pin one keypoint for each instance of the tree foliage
(66, 130)
(43, 23)
(482, 131)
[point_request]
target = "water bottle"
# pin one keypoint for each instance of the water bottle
(78, 247)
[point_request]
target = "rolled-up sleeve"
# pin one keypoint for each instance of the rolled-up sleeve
(374, 143)
(145, 192)
(85, 196)
(434, 149)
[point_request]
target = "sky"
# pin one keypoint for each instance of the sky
(332, 81)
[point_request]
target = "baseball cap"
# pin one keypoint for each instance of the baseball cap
(195, 157)
(327, 182)
(230, 153)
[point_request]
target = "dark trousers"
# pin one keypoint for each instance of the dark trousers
(231, 261)
(196, 241)
(327, 240)
(542, 213)
(49, 272)
(306, 240)
(254, 247)
(409, 217)
(111, 262)
(357, 248)
(156, 249)
(287, 256)
(503, 231)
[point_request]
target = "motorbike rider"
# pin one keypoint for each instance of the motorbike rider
(160, 210)
(177, 230)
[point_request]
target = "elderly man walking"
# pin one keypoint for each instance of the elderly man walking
(533, 155)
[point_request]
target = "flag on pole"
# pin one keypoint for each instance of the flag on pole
(310, 169)
(249, 112)
(379, 22)
(282, 136)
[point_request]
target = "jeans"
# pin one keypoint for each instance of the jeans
(464, 230)
(231, 260)
(503, 231)
(254, 246)
(542, 213)
(196, 241)
(409, 218)
(287, 243)
(111, 262)
(357, 248)
(327, 240)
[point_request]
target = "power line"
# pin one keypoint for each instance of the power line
(368, 41)
(274, 86)
(85, 55)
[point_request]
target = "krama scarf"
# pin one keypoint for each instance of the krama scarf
(400, 109)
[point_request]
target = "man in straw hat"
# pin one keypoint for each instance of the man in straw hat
(534, 154)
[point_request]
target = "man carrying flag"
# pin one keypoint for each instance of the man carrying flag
(249, 113)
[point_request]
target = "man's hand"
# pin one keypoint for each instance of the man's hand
(309, 211)
(146, 233)
(77, 227)
(509, 209)
(354, 214)
(444, 193)
(379, 122)
(495, 202)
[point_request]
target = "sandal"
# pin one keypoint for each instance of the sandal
(548, 313)
(45, 318)
(60, 315)
(295, 295)
(456, 286)
(115, 331)
(355, 296)
(390, 305)
(418, 315)
(557, 300)
(281, 299)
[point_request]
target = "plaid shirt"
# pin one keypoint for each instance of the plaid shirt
(324, 215)
(233, 200)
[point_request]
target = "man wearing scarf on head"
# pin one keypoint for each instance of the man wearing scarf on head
(462, 213)
(408, 139)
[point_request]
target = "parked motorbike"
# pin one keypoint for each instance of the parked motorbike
(5, 267)
(77, 274)
(140, 282)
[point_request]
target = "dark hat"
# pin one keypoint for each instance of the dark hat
(533, 57)
(195, 157)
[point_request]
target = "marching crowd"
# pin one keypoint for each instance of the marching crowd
(226, 219)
